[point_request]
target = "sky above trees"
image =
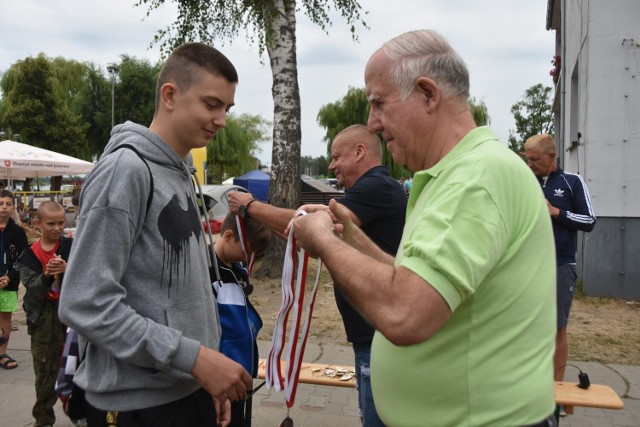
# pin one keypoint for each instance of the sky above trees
(504, 43)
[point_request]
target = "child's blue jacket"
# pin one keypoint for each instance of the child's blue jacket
(239, 320)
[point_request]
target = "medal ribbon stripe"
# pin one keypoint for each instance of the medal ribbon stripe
(294, 275)
(248, 257)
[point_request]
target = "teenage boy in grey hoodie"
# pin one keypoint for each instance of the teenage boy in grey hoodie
(137, 288)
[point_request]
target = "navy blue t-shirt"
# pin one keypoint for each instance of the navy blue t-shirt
(380, 203)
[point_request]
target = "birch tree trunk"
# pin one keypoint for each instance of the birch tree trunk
(284, 190)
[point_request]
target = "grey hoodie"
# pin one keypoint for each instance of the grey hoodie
(137, 284)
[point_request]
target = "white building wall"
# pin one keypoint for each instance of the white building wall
(599, 133)
(602, 51)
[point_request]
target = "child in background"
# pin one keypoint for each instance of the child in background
(240, 322)
(23, 213)
(13, 240)
(42, 268)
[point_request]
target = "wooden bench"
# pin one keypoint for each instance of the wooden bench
(565, 393)
(596, 396)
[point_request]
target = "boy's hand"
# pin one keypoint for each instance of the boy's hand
(223, 378)
(4, 282)
(56, 265)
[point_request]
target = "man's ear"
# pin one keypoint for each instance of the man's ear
(167, 95)
(430, 91)
(360, 151)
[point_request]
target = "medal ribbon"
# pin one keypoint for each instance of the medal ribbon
(248, 257)
(294, 275)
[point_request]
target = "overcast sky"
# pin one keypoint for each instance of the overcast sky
(504, 43)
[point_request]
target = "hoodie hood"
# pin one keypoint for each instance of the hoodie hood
(148, 144)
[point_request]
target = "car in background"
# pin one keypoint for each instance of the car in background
(216, 203)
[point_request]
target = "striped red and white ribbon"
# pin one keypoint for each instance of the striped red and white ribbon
(248, 257)
(294, 275)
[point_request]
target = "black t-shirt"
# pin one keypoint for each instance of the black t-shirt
(380, 203)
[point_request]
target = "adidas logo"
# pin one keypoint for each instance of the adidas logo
(558, 192)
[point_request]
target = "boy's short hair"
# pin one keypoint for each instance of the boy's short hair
(6, 193)
(185, 64)
(257, 233)
(48, 206)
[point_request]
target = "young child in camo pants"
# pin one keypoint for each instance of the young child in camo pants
(42, 268)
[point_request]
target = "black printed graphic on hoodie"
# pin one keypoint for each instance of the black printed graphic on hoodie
(176, 226)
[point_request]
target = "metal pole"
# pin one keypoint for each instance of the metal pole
(113, 98)
(113, 70)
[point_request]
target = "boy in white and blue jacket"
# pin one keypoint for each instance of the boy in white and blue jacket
(239, 320)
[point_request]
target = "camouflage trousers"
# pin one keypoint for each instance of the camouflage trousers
(47, 339)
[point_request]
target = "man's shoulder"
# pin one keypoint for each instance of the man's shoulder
(568, 178)
(123, 160)
(376, 176)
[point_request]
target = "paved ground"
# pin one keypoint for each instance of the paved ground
(319, 406)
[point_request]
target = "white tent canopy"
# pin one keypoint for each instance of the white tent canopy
(20, 161)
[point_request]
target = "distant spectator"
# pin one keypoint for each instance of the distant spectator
(407, 186)
(23, 213)
(571, 211)
(13, 240)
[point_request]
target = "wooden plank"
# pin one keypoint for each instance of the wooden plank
(596, 396)
(314, 373)
(565, 393)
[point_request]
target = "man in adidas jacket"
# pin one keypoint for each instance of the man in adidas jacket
(571, 211)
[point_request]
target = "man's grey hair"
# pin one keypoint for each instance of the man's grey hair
(426, 53)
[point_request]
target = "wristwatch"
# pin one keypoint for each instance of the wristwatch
(243, 210)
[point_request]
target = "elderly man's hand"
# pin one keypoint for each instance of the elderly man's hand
(237, 199)
(343, 219)
(310, 208)
(312, 230)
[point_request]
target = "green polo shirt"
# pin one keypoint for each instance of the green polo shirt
(479, 232)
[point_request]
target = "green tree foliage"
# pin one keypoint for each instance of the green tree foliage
(480, 112)
(353, 109)
(231, 152)
(94, 106)
(133, 88)
(272, 26)
(533, 115)
(65, 106)
(135, 91)
(315, 166)
(29, 100)
(37, 106)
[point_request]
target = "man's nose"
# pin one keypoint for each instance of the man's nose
(220, 120)
(373, 122)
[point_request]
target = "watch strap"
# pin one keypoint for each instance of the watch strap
(244, 210)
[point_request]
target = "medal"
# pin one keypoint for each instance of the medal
(287, 422)
(294, 275)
